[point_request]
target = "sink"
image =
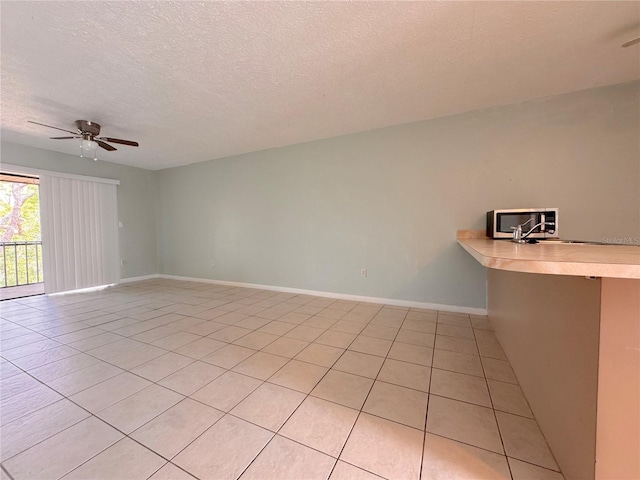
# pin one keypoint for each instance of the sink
(573, 242)
(559, 242)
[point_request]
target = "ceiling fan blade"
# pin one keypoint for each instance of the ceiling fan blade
(64, 138)
(631, 42)
(123, 142)
(104, 145)
(62, 129)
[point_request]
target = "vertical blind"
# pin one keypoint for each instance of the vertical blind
(79, 222)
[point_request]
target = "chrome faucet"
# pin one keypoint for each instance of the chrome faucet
(520, 237)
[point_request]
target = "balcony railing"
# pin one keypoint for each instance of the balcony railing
(20, 263)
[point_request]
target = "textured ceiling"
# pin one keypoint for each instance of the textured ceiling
(198, 81)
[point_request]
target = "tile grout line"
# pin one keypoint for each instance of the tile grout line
(296, 409)
(91, 414)
(100, 419)
(167, 463)
(426, 415)
(367, 396)
(495, 410)
(53, 337)
(225, 413)
(156, 382)
(316, 315)
(166, 351)
(495, 416)
(4, 470)
(124, 370)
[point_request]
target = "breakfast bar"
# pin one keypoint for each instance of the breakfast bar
(568, 318)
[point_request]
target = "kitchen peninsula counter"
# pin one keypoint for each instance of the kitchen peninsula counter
(568, 319)
(589, 260)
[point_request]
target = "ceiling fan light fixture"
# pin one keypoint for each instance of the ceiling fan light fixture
(88, 148)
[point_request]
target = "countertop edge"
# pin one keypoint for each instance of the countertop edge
(550, 267)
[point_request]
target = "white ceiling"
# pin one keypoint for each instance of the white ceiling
(198, 81)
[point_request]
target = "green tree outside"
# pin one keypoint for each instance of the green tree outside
(20, 262)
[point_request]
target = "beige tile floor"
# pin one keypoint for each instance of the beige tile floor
(178, 380)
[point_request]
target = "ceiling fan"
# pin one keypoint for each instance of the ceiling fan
(88, 131)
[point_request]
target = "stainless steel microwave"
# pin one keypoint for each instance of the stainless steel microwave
(543, 222)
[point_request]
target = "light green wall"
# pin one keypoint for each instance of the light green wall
(136, 200)
(312, 215)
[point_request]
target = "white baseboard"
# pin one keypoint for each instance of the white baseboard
(138, 279)
(339, 296)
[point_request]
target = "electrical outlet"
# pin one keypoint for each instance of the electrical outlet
(122, 262)
(363, 272)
